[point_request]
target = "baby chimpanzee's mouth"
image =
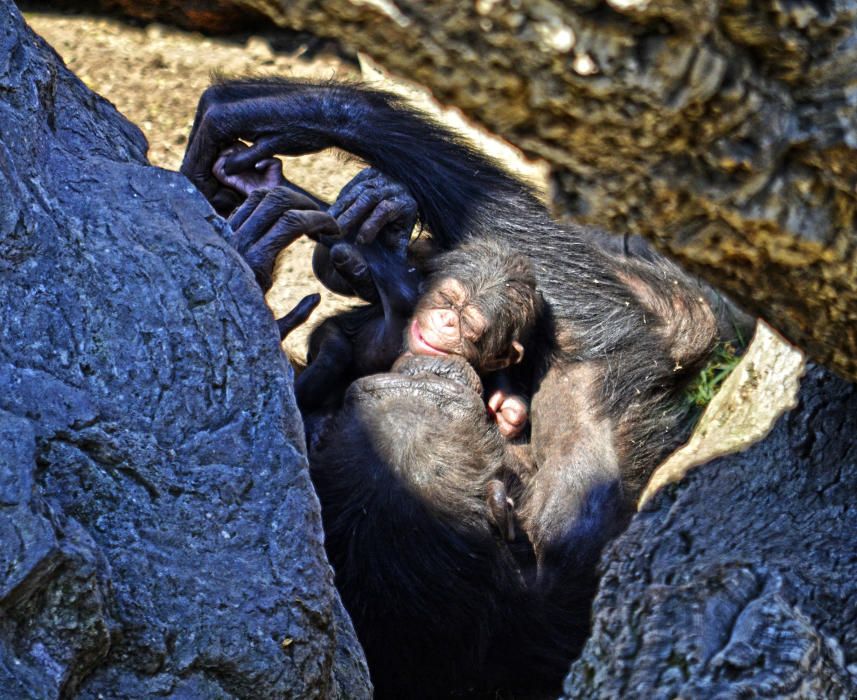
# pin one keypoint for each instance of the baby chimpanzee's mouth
(420, 344)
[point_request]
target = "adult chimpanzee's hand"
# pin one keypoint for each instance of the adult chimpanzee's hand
(271, 220)
(373, 204)
(255, 111)
(276, 118)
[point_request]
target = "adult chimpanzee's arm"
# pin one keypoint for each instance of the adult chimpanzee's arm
(458, 191)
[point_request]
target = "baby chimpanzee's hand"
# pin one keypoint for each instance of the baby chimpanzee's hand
(266, 174)
(509, 411)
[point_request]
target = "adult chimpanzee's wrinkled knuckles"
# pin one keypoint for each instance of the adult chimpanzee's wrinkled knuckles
(240, 215)
(212, 135)
(287, 198)
(317, 225)
(363, 204)
(385, 212)
(293, 220)
(237, 218)
(434, 392)
(448, 367)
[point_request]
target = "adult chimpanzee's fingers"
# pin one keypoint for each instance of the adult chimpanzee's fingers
(291, 226)
(396, 217)
(285, 231)
(238, 217)
(380, 216)
(256, 222)
(352, 266)
(298, 315)
(397, 235)
(372, 203)
(317, 225)
(245, 159)
(207, 139)
(360, 207)
(349, 193)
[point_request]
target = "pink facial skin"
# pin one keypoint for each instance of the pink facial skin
(438, 336)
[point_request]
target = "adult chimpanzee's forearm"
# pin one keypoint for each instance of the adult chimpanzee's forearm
(457, 189)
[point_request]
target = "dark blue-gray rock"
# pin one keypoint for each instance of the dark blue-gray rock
(159, 536)
(741, 581)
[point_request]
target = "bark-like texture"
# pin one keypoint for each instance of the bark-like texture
(742, 580)
(159, 536)
(209, 16)
(725, 130)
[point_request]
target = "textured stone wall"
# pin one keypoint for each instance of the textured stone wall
(158, 531)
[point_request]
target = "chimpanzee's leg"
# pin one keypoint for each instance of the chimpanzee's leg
(574, 502)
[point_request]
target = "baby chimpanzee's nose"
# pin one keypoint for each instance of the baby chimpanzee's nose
(448, 318)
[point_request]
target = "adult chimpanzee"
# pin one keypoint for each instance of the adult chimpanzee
(480, 300)
(440, 605)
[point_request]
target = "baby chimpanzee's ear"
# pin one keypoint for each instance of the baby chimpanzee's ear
(513, 357)
(516, 353)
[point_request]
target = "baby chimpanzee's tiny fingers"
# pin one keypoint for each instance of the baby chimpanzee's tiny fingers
(510, 412)
(264, 174)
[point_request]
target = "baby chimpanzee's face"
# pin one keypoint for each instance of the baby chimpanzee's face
(446, 322)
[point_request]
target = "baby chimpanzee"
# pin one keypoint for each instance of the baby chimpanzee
(480, 303)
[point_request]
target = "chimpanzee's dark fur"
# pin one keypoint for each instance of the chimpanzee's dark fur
(400, 470)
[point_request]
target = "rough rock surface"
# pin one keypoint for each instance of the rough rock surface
(756, 393)
(158, 533)
(724, 130)
(742, 580)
